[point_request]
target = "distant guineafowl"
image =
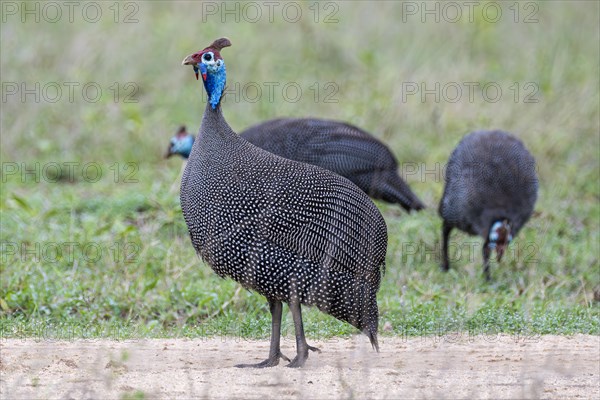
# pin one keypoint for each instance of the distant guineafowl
(181, 143)
(293, 232)
(333, 145)
(491, 189)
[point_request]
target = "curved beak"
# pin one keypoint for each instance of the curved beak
(168, 153)
(189, 60)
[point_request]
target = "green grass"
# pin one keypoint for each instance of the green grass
(147, 281)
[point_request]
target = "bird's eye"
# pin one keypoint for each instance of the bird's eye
(207, 57)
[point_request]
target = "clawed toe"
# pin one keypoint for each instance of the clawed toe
(263, 364)
(314, 349)
(269, 362)
(302, 356)
(297, 362)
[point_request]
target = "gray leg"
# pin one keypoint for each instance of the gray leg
(445, 236)
(486, 261)
(274, 352)
(301, 345)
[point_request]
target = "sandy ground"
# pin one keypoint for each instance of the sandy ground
(453, 366)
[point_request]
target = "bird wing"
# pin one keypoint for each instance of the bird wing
(323, 217)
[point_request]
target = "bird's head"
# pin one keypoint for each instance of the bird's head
(499, 237)
(181, 143)
(211, 66)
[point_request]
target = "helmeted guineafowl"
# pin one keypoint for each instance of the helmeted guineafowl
(181, 143)
(491, 189)
(293, 232)
(333, 145)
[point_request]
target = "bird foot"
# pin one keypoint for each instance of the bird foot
(297, 362)
(301, 358)
(269, 362)
(314, 349)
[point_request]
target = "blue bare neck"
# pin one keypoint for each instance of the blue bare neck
(215, 85)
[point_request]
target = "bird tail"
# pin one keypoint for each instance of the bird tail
(361, 309)
(395, 190)
(370, 320)
(373, 338)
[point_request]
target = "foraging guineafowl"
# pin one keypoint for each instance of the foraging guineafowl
(491, 189)
(181, 143)
(333, 145)
(293, 232)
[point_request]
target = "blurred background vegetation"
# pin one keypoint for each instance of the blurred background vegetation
(110, 255)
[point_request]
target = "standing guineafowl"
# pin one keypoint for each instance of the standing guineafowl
(491, 189)
(293, 232)
(333, 145)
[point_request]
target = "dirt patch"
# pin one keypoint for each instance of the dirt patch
(454, 366)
